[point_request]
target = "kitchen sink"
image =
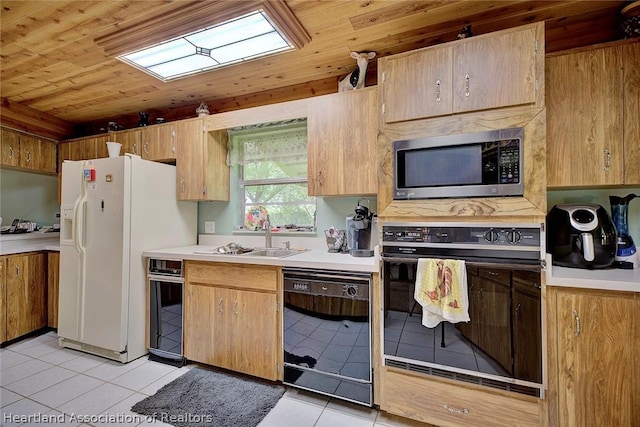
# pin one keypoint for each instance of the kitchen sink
(274, 252)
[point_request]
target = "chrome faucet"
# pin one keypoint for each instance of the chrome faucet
(266, 226)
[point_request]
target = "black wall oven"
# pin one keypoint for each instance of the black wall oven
(501, 346)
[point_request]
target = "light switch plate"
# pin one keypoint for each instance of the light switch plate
(209, 227)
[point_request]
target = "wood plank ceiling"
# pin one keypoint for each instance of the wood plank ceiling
(51, 63)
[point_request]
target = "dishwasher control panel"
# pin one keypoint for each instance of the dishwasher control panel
(166, 267)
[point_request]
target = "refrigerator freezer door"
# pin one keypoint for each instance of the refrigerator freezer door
(71, 264)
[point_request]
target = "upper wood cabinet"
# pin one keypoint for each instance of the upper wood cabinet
(201, 169)
(47, 160)
(158, 142)
(417, 84)
(594, 370)
(493, 70)
(92, 147)
(10, 145)
(130, 140)
(27, 152)
(593, 117)
(342, 131)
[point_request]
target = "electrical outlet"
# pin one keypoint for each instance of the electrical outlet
(209, 227)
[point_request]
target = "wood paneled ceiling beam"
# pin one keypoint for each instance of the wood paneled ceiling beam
(20, 117)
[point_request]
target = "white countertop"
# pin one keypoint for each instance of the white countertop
(313, 258)
(611, 279)
(29, 242)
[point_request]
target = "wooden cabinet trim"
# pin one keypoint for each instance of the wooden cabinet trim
(532, 207)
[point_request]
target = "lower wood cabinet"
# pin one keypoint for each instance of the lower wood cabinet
(53, 282)
(24, 294)
(441, 403)
(594, 343)
(232, 318)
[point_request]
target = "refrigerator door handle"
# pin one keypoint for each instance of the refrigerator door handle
(80, 225)
(74, 225)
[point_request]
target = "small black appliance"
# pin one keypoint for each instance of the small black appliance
(359, 232)
(581, 236)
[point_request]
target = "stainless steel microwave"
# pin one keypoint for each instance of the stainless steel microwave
(480, 164)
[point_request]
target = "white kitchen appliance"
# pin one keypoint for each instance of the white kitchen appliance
(112, 210)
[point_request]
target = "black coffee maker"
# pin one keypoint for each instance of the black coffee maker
(359, 232)
(581, 236)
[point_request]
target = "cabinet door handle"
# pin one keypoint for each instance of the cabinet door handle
(235, 308)
(518, 312)
(10, 152)
(133, 148)
(467, 78)
(607, 159)
(576, 330)
(438, 83)
(17, 271)
(28, 156)
(455, 410)
(220, 306)
(182, 185)
(145, 147)
(493, 273)
(480, 293)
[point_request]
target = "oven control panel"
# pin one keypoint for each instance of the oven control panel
(468, 235)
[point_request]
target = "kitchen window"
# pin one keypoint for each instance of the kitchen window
(272, 172)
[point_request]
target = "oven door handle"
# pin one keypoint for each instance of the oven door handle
(488, 264)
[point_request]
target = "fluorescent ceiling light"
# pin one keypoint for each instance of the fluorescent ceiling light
(248, 37)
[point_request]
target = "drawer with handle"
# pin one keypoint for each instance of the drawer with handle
(436, 402)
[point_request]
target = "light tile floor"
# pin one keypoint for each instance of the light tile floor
(38, 378)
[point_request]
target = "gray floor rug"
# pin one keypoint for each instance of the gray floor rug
(208, 398)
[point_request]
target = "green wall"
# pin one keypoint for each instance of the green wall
(331, 211)
(27, 195)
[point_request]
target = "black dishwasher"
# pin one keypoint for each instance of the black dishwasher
(327, 333)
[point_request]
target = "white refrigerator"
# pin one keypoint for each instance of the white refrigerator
(112, 210)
